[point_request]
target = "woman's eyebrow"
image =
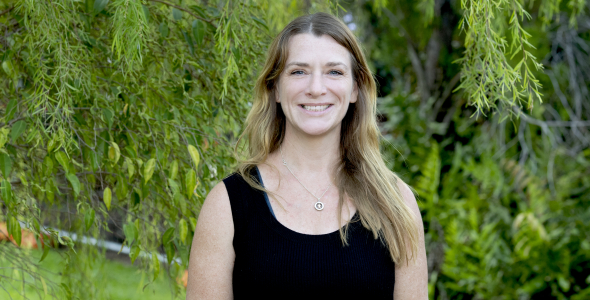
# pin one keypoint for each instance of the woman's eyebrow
(299, 64)
(302, 64)
(335, 63)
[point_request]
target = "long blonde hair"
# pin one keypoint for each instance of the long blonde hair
(362, 174)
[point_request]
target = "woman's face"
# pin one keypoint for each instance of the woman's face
(316, 86)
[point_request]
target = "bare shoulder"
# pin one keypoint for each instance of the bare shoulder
(212, 255)
(408, 196)
(216, 204)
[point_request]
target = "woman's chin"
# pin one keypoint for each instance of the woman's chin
(318, 131)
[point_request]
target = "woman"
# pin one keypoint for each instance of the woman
(313, 212)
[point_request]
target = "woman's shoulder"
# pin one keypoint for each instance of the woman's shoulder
(217, 201)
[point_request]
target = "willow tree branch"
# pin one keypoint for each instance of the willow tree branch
(187, 11)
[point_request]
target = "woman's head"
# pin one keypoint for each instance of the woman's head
(267, 117)
(362, 175)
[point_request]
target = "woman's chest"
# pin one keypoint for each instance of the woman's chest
(307, 266)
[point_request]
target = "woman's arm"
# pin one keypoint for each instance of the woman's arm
(411, 280)
(212, 254)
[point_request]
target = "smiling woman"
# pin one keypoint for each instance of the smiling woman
(313, 212)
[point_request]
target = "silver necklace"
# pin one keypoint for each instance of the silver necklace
(318, 205)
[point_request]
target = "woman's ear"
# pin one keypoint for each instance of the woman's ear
(355, 93)
(276, 94)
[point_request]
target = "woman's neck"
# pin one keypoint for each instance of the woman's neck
(311, 154)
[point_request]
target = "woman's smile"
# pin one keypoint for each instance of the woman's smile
(315, 108)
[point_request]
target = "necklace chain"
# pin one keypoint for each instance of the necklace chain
(318, 205)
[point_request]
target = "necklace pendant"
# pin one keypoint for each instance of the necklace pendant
(319, 205)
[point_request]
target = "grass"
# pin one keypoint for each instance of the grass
(106, 279)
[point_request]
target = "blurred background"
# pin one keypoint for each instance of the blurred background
(118, 116)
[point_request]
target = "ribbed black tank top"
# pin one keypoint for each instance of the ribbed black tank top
(275, 262)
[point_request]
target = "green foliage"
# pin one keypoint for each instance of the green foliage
(119, 116)
(494, 228)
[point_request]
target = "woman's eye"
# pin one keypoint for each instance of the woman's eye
(297, 72)
(335, 72)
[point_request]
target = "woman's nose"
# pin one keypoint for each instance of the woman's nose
(316, 86)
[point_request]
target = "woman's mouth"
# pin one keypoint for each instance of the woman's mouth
(315, 107)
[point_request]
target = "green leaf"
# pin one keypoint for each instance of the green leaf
(11, 109)
(168, 236)
(114, 153)
(14, 229)
(190, 182)
(7, 192)
(170, 251)
(194, 153)
(99, 5)
(134, 253)
(156, 264)
(45, 252)
(176, 14)
(47, 165)
(49, 191)
(73, 179)
(189, 41)
(163, 28)
(198, 31)
(130, 231)
(107, 197)
(3, 136)
(173, 170)
(5, 164)
(146, 13)
(17, 129)
(89, 218)
(63, 160)
(8, 68)
(108, 116)
(193, 223)
(261, 22)
(563, 283)
(130, 167)
(148, 169)
(182, 230)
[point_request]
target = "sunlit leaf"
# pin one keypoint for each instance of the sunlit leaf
(182, 230)
(194, 153)
(107, 197)
(148, 169)
(75, 182)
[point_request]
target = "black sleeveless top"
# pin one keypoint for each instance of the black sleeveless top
(275, 262)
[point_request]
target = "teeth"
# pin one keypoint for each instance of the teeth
(315, 108)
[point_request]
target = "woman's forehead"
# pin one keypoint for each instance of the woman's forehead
(307, 48)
